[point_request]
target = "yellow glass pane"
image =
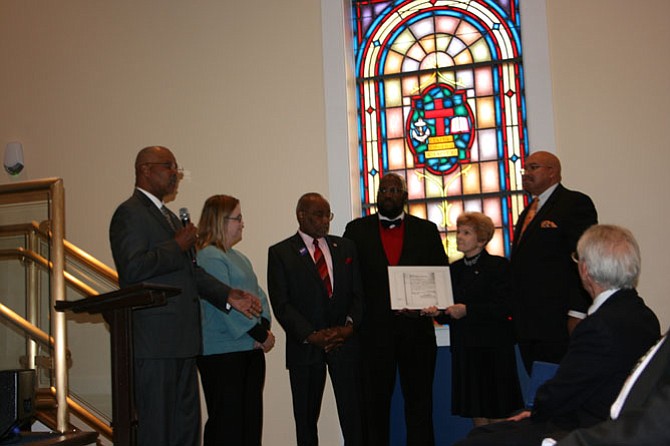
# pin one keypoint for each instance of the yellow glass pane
(442, 42)
(418, 210)
(393, 63)
(410, 85)
(480, 51)
(471, 181)
(416, 52)
(403, 42)
(394, 123)
(455, 209)
(496, 246)
(393, 93)
(453, 181)
(464, 58)
(490, 177)
(428, 44)
(485, 113)
(396, 154)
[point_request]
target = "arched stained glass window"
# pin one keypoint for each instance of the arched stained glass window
(440, 101)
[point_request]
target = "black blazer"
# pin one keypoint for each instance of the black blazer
(144, 250)
(644, 416)
(545, 279)
(300, 301)
(422, 246)
(485, 288)
(603, 349)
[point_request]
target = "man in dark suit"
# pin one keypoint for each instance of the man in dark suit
(603, 348)
(395, 340)
(640, 415)
(316, 295)
(548, 298)
(149, 244)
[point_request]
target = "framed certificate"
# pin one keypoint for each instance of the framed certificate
(418, 287)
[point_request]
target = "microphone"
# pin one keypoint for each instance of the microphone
(185, 218)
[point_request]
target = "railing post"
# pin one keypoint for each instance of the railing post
(58, 294)
(32, 307)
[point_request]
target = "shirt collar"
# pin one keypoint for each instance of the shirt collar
(601, 299)
(401, 216)
(159, 204)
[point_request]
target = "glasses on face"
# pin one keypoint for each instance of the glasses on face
(168, 165)
(322, 215)
(237, 219)
(391, 190)
(532, 168)
(575, 257)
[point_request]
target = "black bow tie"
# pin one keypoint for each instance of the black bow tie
(389, 224)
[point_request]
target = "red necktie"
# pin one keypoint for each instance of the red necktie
(322, 268)
(530, 215)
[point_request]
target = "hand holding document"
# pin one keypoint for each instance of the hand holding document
(419, 287)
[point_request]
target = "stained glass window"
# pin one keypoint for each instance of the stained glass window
(439, 88)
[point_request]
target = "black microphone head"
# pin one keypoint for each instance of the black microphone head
(184, 216)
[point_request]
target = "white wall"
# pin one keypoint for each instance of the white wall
(87, 83)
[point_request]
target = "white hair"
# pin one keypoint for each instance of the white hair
(611, 255)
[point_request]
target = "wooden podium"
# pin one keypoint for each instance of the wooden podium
(117, 307)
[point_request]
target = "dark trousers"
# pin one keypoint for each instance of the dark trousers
(168, 402)
(307, 385)
(512, 433)
(233, 386)
(410, 350)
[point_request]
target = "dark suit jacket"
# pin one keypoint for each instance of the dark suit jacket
(300, 301)
(545, 278)
(603, 349)
(422, 246)
(485, 288)
(643, 420)
(145, 250)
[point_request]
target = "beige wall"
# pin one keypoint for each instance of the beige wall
(85, 84)
(609, 64)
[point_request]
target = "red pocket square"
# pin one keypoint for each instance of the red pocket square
(348, 260)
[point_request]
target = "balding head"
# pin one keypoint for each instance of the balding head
(156, 171)
(541, 171)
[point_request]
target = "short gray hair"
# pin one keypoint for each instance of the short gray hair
(611, 255)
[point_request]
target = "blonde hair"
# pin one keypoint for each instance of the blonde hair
(212, 224)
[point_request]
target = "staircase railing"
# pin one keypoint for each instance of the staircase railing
(53, 268)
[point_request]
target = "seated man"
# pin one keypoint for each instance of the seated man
(639, 415)
(603, 348)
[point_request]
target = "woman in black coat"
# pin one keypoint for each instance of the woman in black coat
(485, 384)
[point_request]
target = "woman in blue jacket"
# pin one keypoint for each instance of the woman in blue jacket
(232, 366)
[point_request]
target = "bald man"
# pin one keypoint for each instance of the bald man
(549, 299)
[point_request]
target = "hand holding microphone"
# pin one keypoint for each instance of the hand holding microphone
(187, 236)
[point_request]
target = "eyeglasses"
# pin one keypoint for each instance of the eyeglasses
(168, 165)
(575, 257)
(391, 190)
(532, 168)
(322, 215)
(237, 219)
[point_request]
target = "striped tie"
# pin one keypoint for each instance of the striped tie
(168, 216)
(322, 268)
